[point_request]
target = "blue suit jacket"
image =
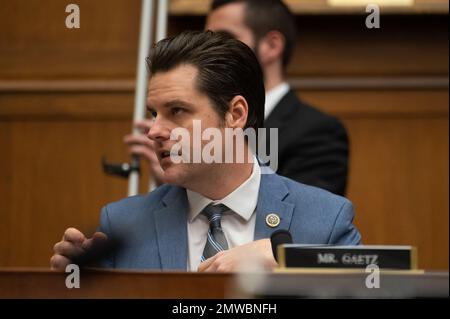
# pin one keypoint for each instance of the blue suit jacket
(152, 229)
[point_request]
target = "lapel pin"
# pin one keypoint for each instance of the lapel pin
(272, 220)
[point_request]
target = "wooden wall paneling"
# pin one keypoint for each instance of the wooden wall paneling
(54, 142)
(6, 177)
(342, 46)
(399, 183)
(57, 182)
(380, 103)
(35, 42)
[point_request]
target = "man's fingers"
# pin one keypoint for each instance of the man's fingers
(99, 237)
(204, 266)
(74, 236)
(144, 151)
(59, 262)
(96, 240)
(75, 248)
(68, 250)
(139, 139)
(143, 125)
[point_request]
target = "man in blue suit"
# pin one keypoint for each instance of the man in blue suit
(210, 215)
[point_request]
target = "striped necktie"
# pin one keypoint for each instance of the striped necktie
(216, 240)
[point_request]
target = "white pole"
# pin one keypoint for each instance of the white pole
(161, 22)
(161, 33)
(145, 40)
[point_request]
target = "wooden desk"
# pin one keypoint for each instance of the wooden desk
(42, 283)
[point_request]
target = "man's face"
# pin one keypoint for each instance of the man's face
(230, 18)
(175, 102)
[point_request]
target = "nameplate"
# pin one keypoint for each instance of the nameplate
(326, 256)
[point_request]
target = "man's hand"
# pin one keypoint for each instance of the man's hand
(143, 146)
(74, 245)
(259, 251)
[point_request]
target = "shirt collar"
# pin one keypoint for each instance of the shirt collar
(274, 96)
(242, 200)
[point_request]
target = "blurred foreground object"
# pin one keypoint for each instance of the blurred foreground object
(131, 171)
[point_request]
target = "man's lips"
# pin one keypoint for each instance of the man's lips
(165, 153)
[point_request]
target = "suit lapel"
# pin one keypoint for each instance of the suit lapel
(171, 220)
(272, 192)
(171, 229)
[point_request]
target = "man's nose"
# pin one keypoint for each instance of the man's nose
(159, 131)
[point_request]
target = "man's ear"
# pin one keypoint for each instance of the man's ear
(271, 47)
(237, 114)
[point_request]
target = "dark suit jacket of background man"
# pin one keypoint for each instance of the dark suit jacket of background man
(312, 146)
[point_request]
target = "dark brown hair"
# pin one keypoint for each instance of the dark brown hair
(226, 68)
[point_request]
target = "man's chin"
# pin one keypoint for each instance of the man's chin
(173, 175)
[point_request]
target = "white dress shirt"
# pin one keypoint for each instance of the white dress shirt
(238, 225)
(274, 96)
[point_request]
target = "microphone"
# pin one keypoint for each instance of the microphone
(279, 237)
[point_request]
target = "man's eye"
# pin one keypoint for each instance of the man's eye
(153, 114)
(177, 110)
